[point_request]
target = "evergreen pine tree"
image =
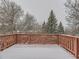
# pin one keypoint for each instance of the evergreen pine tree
(44, 27)
(60, 28)
(52, 23)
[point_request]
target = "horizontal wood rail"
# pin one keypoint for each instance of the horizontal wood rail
(70, 43)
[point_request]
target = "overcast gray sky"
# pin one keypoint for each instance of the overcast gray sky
(41, 8)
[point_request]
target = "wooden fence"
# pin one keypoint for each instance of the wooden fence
(7, 41)
(37, 39)
(70, 43)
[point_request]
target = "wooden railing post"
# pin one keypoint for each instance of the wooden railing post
(0, 44)
(58, 39)
(77, 48)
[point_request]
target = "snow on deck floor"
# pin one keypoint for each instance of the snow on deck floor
(35, 52)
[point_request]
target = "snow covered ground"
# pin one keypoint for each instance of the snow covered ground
(35, 52)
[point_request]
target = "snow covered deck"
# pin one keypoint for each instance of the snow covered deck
(20, 51)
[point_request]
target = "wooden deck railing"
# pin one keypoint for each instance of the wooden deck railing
(7, 41)
(37, 39)
(70, 43)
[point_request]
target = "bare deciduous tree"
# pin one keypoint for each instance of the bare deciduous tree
(73, 14)
(10, 12)
(28, 24)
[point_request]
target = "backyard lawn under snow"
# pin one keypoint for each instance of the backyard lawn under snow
(35, 52)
